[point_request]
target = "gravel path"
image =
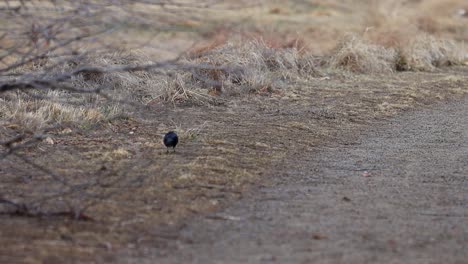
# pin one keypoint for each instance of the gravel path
(397, 193)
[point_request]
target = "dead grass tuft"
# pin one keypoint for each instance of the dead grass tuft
(32, 112)
(420, 32)
(119, 153)
(232, 69)
(253, 65)
(356, 55)
(426, 52)
(272, 39)
(419, 51)
(122, 85)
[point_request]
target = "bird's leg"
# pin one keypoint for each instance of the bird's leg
(167, 150)
(174, 149)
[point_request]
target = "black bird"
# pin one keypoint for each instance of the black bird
(170, 140)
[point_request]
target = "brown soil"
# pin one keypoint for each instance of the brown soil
(237, 148)
(393, 193)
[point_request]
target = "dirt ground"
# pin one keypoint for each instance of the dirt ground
(326, 166)
(395, 192)
(232, 150)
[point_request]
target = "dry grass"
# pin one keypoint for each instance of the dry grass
(235, 69)
(394, 36)
(37, 110)
(426, 52)
(252, 66)
(421, 53)
(356, 55)
(417, 33)
(231, 69)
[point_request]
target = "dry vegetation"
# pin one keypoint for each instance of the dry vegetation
(80, 121)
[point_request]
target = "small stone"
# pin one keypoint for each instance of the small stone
(49, 141)
(66, 131)
(318, 236)
(346, 199)
(106, 245)
(461, 12)
(187, 177)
